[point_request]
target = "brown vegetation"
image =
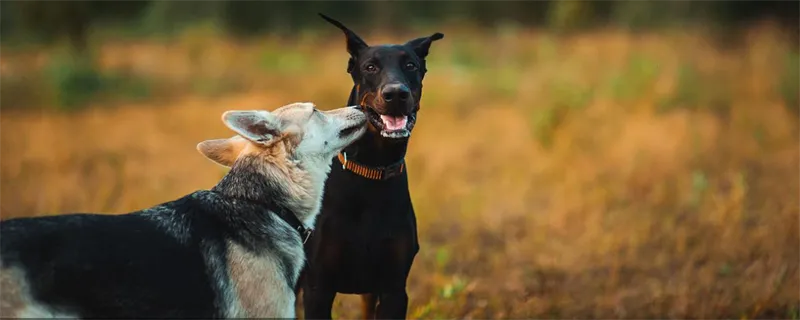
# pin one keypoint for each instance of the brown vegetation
(591, 176)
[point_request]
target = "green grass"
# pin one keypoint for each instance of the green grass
(789, 82)
(636, 79)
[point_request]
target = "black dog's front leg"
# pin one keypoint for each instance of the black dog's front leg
(317, 303)
(392, 305)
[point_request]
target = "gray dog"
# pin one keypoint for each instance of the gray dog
(233, 251)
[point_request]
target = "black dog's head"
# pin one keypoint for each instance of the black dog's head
(388, 81)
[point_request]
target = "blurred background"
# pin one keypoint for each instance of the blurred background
(581, 159)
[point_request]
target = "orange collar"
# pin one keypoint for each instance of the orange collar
(379, 173)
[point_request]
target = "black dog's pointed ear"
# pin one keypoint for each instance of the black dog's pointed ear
(422, 45)
(354, 42)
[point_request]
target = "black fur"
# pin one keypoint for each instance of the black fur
(106, 266)
(365, 238)
(168, 261)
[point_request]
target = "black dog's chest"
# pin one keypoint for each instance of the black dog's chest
(361, 260)
(367, 230)
(368, 210)
(366, 213)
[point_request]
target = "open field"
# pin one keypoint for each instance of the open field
(600, 175)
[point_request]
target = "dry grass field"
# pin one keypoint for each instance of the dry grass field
(596, 175)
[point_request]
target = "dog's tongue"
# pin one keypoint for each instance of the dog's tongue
(394, 123)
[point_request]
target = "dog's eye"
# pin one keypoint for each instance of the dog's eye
(411, 66)
(371, 68)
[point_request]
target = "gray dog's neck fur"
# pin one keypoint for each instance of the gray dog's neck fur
(254, 180)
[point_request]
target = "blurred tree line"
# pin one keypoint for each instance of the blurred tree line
(47, 21)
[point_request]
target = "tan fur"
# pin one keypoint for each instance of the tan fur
(16, 302)
(226, 151)
(368, 303)
(11, 294)
(252, 276)
(377, 104)
(223, 151)
(275, 160)
(277, 164)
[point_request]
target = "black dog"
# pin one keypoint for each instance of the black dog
(366, 236)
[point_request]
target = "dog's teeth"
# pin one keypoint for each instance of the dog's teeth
(395, 134)
(394, 123)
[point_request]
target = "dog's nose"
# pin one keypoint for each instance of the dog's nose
(395, 91)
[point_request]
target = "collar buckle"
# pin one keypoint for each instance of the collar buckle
(305, 233)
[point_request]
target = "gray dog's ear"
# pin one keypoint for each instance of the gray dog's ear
(354, 43)
(223, 152)
(422, 45)
(257, 126)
